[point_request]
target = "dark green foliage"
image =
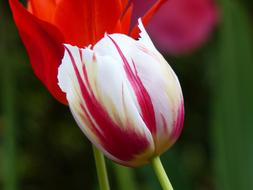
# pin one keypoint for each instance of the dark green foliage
(233, 99)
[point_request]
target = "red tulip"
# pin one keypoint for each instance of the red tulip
(180, 26)
(46, 24)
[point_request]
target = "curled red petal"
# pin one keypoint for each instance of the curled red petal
(43, 9)
(146, 18)
(90, 20)
(124, 3)
(124, 22)
(43, 43)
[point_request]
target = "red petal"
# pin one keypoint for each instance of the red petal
(126, 20)
(43, 43)
(90, 20)
(146, 18)
(124, 4)
(43, 9)
(123, 24)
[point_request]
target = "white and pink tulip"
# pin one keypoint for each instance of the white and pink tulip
(124, 96)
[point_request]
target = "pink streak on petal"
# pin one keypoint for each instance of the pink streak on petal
(144, 100)
(165, 125)
(122, 143)
(178, 125)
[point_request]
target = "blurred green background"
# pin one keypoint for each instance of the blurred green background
(42, 148)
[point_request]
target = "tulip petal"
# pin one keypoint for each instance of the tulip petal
(44, 46)
(158, 80)
(42, 9)
(165, 91)
(104, 105)
(124, 3)
(90, 20)
(123, 24)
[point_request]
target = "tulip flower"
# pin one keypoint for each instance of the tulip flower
(121, 91)
(124, 96)
(46, 24)
(180, 26)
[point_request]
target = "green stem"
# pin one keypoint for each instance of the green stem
(101, 169)
(161, 174)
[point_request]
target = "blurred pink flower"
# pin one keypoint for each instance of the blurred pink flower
(180, 26)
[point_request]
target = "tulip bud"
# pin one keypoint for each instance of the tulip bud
(124, 96)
